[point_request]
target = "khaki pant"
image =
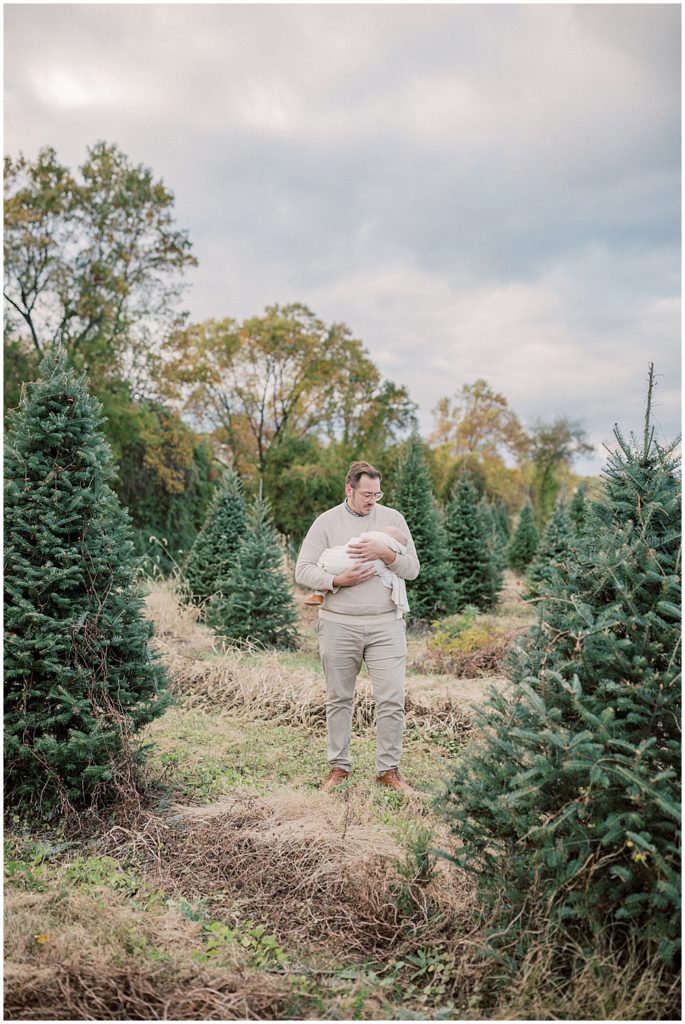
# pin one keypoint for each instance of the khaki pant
(384, 649)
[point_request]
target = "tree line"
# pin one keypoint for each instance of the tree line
(94, 261)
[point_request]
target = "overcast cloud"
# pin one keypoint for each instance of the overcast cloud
(476, 190)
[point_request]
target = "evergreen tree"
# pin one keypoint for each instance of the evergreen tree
(80, 676)
(214, 550)
(524, 543)
(432, 593)
(576, 508)
(489, 521)
(559, 537)
(496, 522)
(503, 527)
(570, 799)
(474, 567)
(255, 601)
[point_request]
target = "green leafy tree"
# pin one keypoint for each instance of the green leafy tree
(524, 542)
(557, 541)
(92, 260)
(432, 593)
(302, 478)
(166, 477)
(255, 601)
(553, 448)
(476, 431)
(20, 364)
(474, 567)
(214, 551)
(80, 674)
(569, 804)
(281, 376)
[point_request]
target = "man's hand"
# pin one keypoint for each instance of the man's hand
(356, 574)
(367, 549)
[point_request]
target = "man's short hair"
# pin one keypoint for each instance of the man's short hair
(359, 469)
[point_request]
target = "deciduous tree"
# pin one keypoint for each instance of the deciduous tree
(554, 447)
(282, 375)
(92, 260)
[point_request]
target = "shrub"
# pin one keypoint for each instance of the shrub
(466, 645)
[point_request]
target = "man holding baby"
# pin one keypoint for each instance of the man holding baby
(361, 617)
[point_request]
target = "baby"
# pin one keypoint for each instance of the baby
(336, 560)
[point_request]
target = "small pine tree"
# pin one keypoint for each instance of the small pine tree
(524, 543)
(213, 552)
(496, 522)
(488, 518)
(432, 593)
(576, 508)
(474, 567)
(559, 537)
(80, 674)
(503, 527)
(255, 601)
(570, 800)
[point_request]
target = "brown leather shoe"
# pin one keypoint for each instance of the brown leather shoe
(335, 777)
(393, 780)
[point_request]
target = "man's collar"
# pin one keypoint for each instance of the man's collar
(359, 515)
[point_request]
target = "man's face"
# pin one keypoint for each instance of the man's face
(362, 498)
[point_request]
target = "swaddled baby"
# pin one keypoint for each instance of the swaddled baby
(336, 560)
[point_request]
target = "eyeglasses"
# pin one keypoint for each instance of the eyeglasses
(368, 495)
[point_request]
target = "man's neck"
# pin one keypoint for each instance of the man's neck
(359, 515)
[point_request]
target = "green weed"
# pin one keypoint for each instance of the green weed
(250, 941)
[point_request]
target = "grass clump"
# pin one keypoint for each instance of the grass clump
(467, 645)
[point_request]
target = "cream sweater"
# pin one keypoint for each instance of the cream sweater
(336, 560)
(368, 600)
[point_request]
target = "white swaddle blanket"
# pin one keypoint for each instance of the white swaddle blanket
(336, 560)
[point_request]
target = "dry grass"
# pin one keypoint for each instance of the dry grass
(605, 986)
(89, 928)
(316, 868)
(135, 992)
(177, 625)
(342, 880)
(256, 684)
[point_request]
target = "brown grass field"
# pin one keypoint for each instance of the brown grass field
(233, 889)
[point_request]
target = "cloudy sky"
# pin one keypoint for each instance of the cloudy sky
(476, 190)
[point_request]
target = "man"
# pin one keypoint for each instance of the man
(358, 620)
